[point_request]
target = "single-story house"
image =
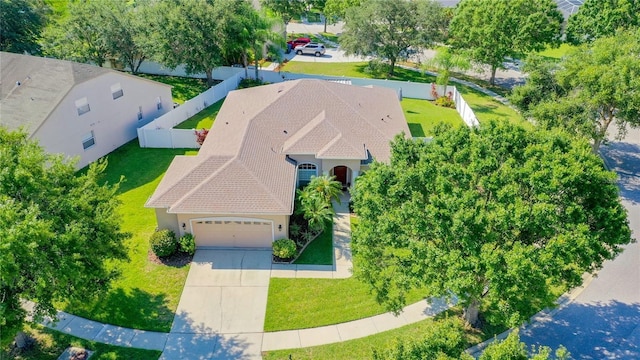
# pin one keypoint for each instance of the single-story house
(239, 190)
(79, 110)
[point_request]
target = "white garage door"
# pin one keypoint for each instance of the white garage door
(233, 233)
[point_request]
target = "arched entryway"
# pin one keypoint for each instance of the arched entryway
(343, 174)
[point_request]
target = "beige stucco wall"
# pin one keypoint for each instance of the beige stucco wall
(277, 220)
(113, 122)
(167, 221)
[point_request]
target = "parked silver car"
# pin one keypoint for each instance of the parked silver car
(310, 49)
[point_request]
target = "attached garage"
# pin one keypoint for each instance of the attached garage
(236, 232)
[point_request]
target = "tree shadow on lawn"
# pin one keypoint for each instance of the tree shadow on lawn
(139, 166)
(590, 331)
(134, 309)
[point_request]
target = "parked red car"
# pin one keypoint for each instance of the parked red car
(291, 44)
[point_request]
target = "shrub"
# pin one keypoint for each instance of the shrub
(284, 248)
(187, 244)
(249, 82)
(445, 101)
(163, 243)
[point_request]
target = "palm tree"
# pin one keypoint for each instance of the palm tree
(318, 212)
(327, 187)
(445, 61)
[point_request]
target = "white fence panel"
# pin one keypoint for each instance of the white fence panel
(221, 73)
(464, 110)
(183, 138)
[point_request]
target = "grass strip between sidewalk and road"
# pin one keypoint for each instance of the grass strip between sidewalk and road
(49, 344)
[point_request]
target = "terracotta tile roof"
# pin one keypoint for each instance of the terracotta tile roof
(242, 168)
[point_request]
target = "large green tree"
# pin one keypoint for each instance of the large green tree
(590, 89)
(21, 22)
(80, 35)
(600, 18)
(189, 33)
(58, 230)
(335, 10)
(391, 29)
(285, 10)
(492, 30)
(498, 216)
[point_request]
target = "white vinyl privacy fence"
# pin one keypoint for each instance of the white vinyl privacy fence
(161, 134)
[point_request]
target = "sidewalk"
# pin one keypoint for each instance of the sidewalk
(200, 329)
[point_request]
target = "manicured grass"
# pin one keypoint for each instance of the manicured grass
(307, 303)
(50, 344)
(557, 53)
(146, 294)
(424, 115)
(330, 36)
(183, 88)
(354, 69)
(320, 251)
(202, 120)
(363, 348)
(487, 108)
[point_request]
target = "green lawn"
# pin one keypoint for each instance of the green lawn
(320, 251)
(557, 53)
(363, 348)
(423, 116)
(50, 344)
(354, 69)
(330, 36)
(487, 108)
(183, 88)
(307, 303)
(147, 294)
(202, 120)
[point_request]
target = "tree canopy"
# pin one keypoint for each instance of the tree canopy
(600, 18)
(58, 230)
(492, 30)
(590, 89)
(391, 29)
(497, 215)
(20, 24)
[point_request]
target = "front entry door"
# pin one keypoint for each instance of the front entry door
(340, 172)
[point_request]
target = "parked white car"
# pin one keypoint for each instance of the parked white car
(310, 49)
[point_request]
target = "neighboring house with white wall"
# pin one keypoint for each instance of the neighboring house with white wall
(266, 141)
(76, 109)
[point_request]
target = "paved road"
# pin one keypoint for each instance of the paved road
(603, 322)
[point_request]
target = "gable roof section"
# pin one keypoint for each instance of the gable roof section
(44, 83)
(245, 153)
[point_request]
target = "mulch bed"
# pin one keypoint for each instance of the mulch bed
(179, 259)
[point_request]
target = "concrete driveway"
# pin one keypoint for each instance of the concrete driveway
(222, 308)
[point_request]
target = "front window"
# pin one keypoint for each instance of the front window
(305, 172)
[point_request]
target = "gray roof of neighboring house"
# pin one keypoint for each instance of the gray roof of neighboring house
(44, 82)
(242, 168)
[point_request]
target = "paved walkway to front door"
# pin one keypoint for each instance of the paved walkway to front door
(222, 307)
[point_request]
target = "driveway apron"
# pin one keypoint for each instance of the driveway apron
(222, 308)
